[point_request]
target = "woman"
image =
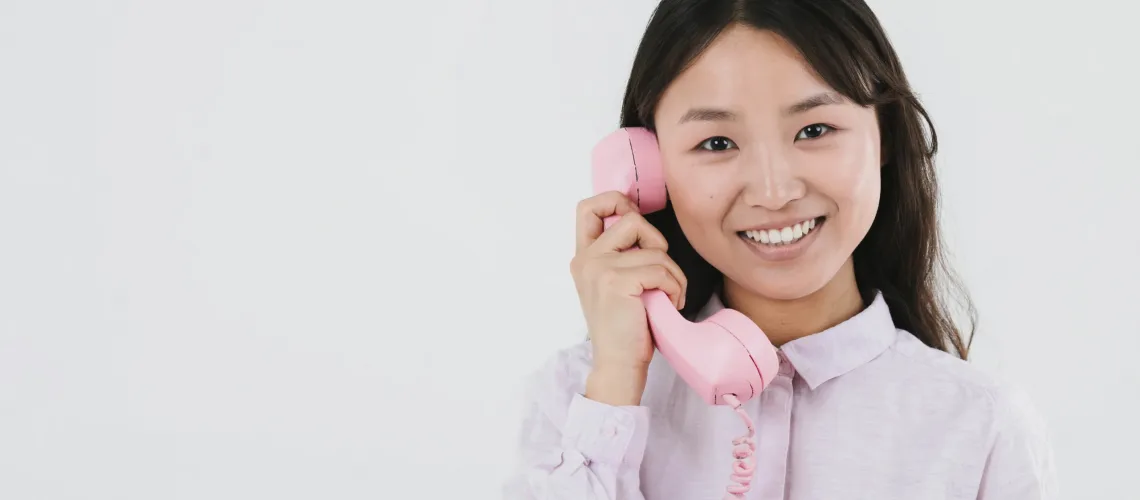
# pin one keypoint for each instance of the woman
(801, 193)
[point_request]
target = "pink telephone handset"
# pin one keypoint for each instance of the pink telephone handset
(726, 359)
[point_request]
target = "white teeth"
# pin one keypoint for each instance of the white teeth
(782, 236)
(786, 234)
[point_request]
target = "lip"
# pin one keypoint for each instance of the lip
(783, 252)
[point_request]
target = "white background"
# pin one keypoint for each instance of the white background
(301, 250)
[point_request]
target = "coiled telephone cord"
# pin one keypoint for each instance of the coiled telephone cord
(742, 449)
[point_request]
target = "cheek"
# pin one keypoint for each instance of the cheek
(699, 195)
(853, 182)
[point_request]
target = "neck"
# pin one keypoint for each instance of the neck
(786, 320)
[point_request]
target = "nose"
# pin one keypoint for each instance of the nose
(770, 181)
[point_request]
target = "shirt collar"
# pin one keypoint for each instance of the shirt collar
(835, 351)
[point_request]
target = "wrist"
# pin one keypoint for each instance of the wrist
(617, 384)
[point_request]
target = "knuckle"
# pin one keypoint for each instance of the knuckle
(652, 234)
(626, 223)
(584, 206)
(634, 222)
(608, 198)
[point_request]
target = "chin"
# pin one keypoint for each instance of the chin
(785, 284)
(784, 289)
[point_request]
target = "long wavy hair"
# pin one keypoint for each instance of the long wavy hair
(901, 256)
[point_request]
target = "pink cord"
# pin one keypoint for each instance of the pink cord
(742, 450)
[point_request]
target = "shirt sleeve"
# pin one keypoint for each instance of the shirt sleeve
(1020, 465)
(571, 447)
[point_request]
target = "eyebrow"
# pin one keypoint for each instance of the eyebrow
(717, 114)
(815, 101)
(708, 115)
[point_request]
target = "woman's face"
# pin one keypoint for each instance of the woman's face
(773, 175)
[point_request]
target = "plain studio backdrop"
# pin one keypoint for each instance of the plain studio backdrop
(301, 250)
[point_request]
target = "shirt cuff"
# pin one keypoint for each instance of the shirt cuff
(611, 435)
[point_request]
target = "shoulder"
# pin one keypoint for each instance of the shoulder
(1005, 404)
(1018, 461)
(922, 363)
(991, 411)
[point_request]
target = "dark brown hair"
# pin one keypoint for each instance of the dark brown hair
(901, 255)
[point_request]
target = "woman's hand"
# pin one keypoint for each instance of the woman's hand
(610, 278)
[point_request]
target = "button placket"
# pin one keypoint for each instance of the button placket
(774, 433)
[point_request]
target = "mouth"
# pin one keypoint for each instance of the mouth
(784, 243)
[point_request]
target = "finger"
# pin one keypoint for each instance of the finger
(631, 230)
(652, 277)
(651, 257)
(592, 212)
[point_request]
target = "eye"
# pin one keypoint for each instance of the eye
(813, 131)
(718, 143)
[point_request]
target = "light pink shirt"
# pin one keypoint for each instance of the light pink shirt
(861, 410)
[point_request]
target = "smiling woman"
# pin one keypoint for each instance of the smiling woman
(764, 147)
(801, 192)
